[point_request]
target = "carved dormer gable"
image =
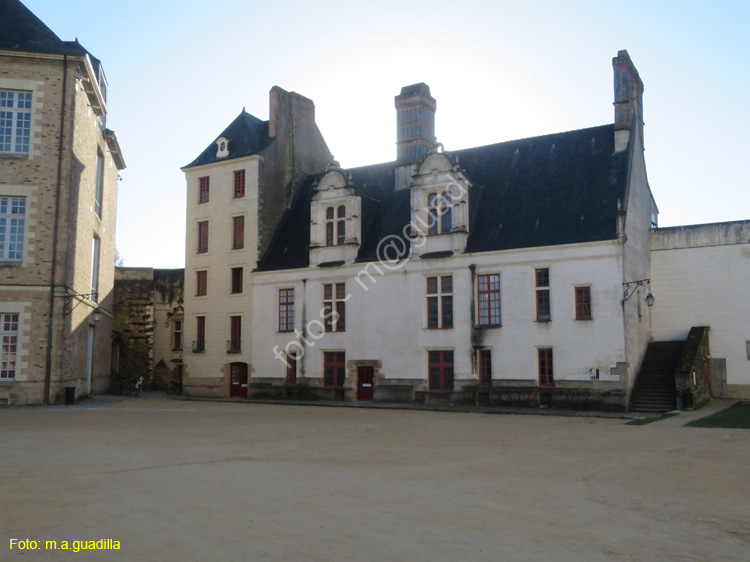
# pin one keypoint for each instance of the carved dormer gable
(335, 219)
(222, 147)
(439, 205)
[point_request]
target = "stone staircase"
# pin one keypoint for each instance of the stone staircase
(654, 389)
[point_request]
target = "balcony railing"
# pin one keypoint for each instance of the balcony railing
(199, 346)
(234, 346)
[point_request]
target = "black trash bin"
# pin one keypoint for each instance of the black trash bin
(70, 394)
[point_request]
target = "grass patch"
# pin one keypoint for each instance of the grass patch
(735, 417)
(646, 421)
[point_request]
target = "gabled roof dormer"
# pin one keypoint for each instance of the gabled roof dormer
(335, 219)
(439, 206)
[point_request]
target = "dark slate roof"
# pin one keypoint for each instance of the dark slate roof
(542, 191)
(21, 30)
(247, 135)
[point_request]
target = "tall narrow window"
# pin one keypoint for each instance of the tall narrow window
(236, 280)
(334, 369)
(440, 302)
(15, 121)
(335, 226)
(9, 342)
(329, 226)
(489, 299)
(12, 225)
(235, 337)
(286, 310)
(95, 247)
(238, 233)
(440, 213)
(440, 367)
(203, 190)
(542, 296)
(583, 303)
(201, 283)
(239, 183)
(176, 335)
(334, 306)
(199, 344)
(546, 378)
(202, 237)
(484, 362)
(99, 188)
(340, 225)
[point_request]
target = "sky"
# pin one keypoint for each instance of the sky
(179, 71)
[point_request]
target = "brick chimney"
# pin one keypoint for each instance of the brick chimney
(628, 101)
(415, 122)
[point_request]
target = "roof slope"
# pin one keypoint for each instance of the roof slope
(247, 135)
(542, 191)
(21, 30)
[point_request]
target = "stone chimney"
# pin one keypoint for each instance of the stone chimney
(415, 122)
(299, 149)
(628, 101)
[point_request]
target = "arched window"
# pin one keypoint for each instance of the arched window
(440, 213)
(335, 226)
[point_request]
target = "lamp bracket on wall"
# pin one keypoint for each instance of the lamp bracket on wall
(78, 298)
(631, 286)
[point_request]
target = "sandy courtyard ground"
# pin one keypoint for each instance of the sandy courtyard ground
(174, 480)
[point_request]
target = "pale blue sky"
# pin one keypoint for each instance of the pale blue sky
(180, 71)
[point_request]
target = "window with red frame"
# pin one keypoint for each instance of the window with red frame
(199, 345)
(440, 302)
(489, 299)
(202, 237)
(286, 310)
(334, 369)
(484, 360)
(440, 367)
(238, 233)
(440, 213)
(543, 309)
(583, 303)
(201, 283)
(546, 378)
(203, 190)
(239, 183)
(235, 334)
(237, 275)
(334, 306)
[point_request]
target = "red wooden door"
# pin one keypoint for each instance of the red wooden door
(238, 380)
(364, 383)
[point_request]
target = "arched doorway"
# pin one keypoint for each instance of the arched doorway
(238, 380)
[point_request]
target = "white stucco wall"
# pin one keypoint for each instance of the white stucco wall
(701, 277)
(388, 321)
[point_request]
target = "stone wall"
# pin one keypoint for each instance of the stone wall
(134, 315)
(692, 373)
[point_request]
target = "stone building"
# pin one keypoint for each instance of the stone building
(518, 273)
(148, 324)
(238, 190)
(488, 274)
(59, 166)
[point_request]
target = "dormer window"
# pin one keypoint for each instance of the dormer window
(335, 226)
(440, 213)
(222, 147)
